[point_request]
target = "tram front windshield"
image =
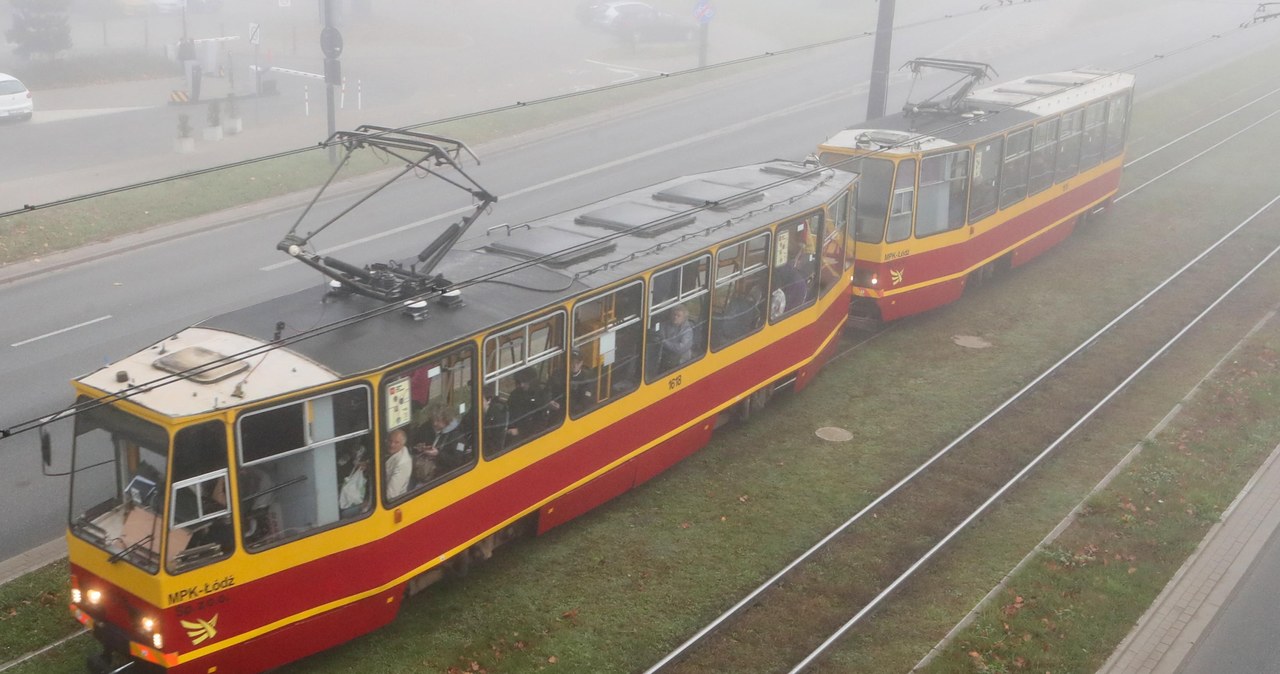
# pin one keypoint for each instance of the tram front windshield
(117, 484)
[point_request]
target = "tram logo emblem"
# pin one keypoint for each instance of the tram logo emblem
(201, 631)
(896, 276)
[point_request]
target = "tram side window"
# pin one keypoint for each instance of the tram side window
(1044, 144)
(795, 266)
(429, 429)
(1013, 175)
(831, 259)
(679, 305)
(199, 511)
(944, 186)
(1069, 145)
(605, 362)
(873, 199)
(518, 367)
(1095, 121)
(293, 460)
(904, 198)
(985, 192)
(738, 304)
(1117, 111)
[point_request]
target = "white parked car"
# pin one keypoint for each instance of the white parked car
(15, 99)
(168, 6)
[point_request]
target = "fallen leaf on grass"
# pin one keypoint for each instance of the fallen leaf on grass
(685, 525)
(552, 660)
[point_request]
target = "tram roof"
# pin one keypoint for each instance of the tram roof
(984, 112)
(546, 262)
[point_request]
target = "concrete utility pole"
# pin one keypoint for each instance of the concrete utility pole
(877, 96)
(331, 45)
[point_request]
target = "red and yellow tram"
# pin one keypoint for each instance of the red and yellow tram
(270, 501)
(953, 193)
(261, 508)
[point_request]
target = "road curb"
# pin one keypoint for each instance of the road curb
(32, 560)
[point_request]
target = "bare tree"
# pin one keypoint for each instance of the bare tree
(41, 28)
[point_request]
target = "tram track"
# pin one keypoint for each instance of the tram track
(967, 475)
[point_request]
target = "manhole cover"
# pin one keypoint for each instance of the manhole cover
(971, 342)
(833, 434)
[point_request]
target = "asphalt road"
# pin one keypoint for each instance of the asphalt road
(66, 322)
(1242, 637)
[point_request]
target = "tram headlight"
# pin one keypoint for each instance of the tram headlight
(95, 597)
(76, 595)
(157, 641)
(148, 625)
(865, 278)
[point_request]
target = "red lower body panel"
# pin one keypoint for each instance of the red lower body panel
(303, 638)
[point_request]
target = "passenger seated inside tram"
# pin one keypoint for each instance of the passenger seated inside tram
(794, 280)
(496, 420)
(527, 407)
(582, 385)
(399, 464)
(255, 520)
(448, 448)
(354, 493)
(677, 340)
(741, 316)
(217, 531)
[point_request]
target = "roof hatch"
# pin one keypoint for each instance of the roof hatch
(559, 247)
(636, 218)
(718, 196)
(182, 361)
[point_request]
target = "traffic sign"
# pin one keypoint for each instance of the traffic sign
(703, 11)
(331, 42)
(255, 34)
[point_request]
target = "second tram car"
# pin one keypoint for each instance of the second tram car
(271, 506)
(954, 191)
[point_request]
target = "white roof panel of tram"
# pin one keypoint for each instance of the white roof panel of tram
(1051, 93)
(236, 382)
(894, 142)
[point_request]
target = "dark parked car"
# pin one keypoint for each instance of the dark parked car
(638, 22)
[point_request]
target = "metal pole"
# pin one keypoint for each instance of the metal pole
(328, 90)
(878, 93)
(703, 39)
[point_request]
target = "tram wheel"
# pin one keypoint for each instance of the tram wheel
(757, 401)
(460, 565)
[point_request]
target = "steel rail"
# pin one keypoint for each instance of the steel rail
(893, 586)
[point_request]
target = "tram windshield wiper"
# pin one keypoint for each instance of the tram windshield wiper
(145, 540)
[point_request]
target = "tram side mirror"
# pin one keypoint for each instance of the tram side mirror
(46, 448)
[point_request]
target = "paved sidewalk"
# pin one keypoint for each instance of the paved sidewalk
(32, 560)
(1167, 632)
